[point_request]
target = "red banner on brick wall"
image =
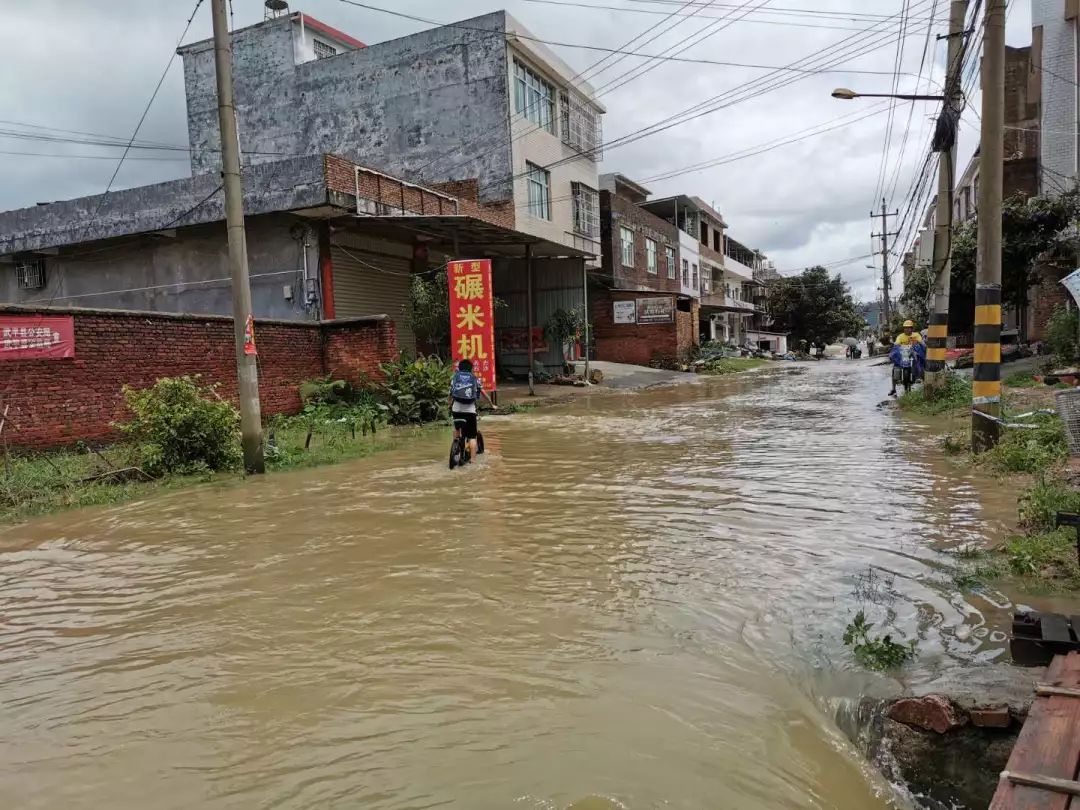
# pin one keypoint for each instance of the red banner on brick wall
(472, 317)
(36, 337)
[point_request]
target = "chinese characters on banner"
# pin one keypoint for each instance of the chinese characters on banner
(472, 321)
(36, 337)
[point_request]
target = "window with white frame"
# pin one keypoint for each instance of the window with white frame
(626, 246)
(650, 256)
(671, 269)
(539, 184)
(694, 281)
(586, 210)
(581, 128)
(322, 50)
(685, 273)
(706, 280)
(534, 98)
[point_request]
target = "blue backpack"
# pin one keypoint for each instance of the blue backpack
(465, 388)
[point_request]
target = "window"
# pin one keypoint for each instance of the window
(685, 273)
(716, 242)
(581, 128)
(534, 98)
(704, 233)
(706, 281)
(650, 256)
(539, 182)
(694, 281)
(626, 238)
(322, 50)
(671, 270)
(586, 210)
(30, 274)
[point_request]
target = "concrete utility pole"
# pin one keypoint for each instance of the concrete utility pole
(884, 259)
(937, 332)
(986, 375)
(247, 370)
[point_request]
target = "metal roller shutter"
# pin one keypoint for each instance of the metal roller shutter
(372, 278)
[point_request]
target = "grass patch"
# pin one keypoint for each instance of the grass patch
(1029, 450)
(1040, 504)
(978, 575)
(1020, 379)
(517, 407)
(955, 393)
(1049, 555)
(730, 365)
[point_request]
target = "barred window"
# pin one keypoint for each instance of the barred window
(322, 50)
(534, 98)
(586, 210)
(581, 128)
(30, 274)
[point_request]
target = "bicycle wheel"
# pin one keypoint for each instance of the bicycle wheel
(455, 453)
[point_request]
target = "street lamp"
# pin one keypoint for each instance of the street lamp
(847, 95)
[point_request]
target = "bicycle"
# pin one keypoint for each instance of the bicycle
(460, 455)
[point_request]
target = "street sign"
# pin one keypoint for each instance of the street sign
(472, 317)
(625, 311)
(36, 337)
(656, 310)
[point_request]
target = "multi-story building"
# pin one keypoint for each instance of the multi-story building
(479, 101)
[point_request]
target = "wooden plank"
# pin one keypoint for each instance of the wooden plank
(1042, 690)
(1055, 627)
(1069, 786)
(1048, 745)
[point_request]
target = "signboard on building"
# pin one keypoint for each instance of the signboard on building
(36, 337)
(1072, 284)
(472, 317)
(625, 311)
(515, 340)
(656, 310)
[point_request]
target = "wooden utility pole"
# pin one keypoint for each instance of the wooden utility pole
(937, 332)
(986, 375)
(884, 259)
(247, 370)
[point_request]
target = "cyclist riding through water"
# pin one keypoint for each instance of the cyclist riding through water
(466, 392)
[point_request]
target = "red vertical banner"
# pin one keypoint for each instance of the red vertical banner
(472, 317)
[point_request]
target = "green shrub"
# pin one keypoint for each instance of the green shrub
(1030, 450)
(729, 365)
(1061, 330)
(879, 654)
(1040, 504)
(1050, 553)
(415, 391)
(1020, 379)
(955, 393)
(181, 427)
(326, 391)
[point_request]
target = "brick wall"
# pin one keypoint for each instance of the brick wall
(687, 328)
(1046, 296)
(618, 212)
(58, 402)
(631, 343)
(379, 189)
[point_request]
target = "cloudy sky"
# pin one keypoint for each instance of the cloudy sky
(803, 203)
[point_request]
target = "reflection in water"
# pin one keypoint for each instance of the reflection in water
(636, 603)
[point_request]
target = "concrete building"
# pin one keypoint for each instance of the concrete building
(478, 100)
(1054, 39)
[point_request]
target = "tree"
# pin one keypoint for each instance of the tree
(814, 307)
(428, 313)
(1030, 226)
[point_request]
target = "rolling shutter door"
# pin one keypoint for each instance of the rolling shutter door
(370, 282)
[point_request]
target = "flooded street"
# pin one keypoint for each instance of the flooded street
(633, 601)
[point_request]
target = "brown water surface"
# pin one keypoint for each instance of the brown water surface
(632, 601)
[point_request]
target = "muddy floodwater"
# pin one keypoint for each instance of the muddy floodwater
(632, 601)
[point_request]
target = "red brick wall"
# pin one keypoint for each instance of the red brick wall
(631, 343)
(58, 402)
(688, 330)
(1047, 295)
(618, 212)
(341, 177)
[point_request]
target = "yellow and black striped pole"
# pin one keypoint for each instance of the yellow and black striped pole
(937, 334)
(986, 375)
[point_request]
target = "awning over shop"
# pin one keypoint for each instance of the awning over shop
(461, 236)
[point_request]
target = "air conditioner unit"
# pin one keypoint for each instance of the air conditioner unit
(30, 274)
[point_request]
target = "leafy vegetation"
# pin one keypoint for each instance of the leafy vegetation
(428, 311)
(1061, 331)
(1020, 379)
(1049, 554)
(881, 653)
(326, 391)
(955, 393)
(813, 307)
(1030, 450)
(1040, 504)
(563, 326)
(415, 391)
(182, 427)
(729, 365)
